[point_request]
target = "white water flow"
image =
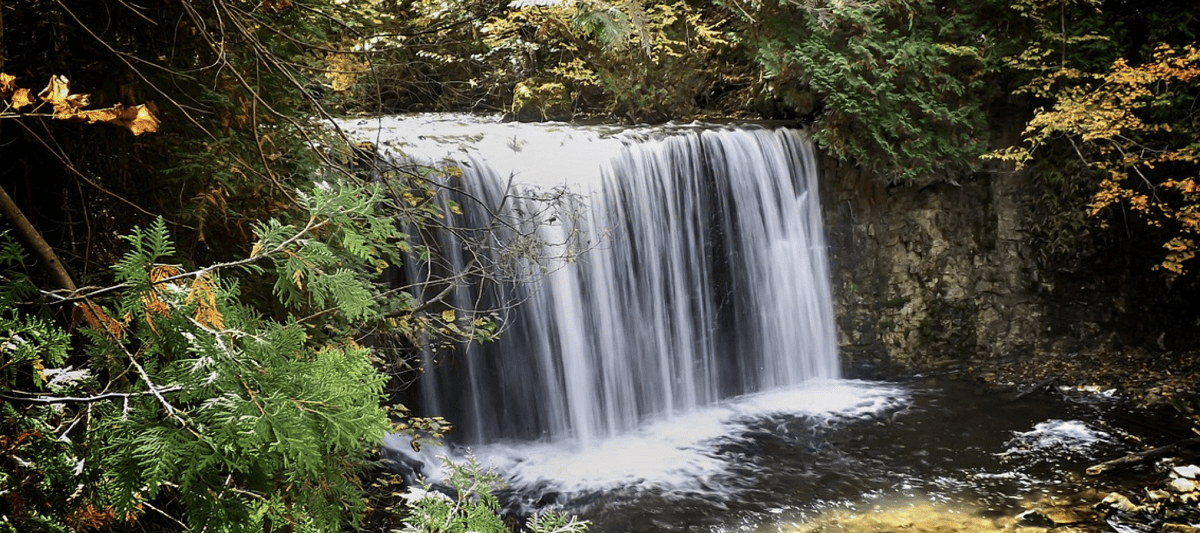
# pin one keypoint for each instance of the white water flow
(690, 268)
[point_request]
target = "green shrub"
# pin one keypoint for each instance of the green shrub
(474, 508)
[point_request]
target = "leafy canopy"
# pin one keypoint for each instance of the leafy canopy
(1126, 125)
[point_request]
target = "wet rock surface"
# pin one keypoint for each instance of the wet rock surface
(1153, 487)
(1144, 377)
(948, 271)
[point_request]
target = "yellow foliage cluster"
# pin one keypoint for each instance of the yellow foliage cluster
(1178, 251)
(344, 70)
(18, 97)
(596, 42)
(575, 70)
(1148, 164)
(700, 41)
(1106, 110)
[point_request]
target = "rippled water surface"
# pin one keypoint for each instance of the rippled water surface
(777, 460)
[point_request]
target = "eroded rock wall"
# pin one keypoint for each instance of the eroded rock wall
(931, 276)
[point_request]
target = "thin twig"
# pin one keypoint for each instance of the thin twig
(34, 398)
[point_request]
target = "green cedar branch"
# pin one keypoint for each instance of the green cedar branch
(310, 226)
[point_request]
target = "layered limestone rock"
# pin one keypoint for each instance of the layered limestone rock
(931, 275)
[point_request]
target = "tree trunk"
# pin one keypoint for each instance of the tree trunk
(34, 241)
(25, 231)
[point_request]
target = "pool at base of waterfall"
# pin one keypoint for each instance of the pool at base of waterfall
(670, 343)
(926, 455)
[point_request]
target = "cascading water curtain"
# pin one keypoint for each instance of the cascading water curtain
(696, 272)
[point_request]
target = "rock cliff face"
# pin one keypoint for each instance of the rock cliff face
(931, 276)
(946, 275)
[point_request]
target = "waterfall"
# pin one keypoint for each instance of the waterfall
(688, 266)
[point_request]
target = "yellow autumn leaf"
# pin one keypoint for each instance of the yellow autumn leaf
(137, 119)
(21, 98)
(56, 91)
(448, 315)
(58, 94)
(8, 83)
(141, 121)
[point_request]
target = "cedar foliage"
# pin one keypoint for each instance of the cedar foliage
(472, 506)
(902, 85)
(209, 368)
(182, 393)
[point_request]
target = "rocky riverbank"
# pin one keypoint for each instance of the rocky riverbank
(1153, 488)
(1146, 378)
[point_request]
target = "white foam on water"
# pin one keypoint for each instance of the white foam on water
(538, 154)
(678, 454)
(1072, 435)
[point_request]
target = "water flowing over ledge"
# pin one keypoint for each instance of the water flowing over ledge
(690, 268)
(672, 365)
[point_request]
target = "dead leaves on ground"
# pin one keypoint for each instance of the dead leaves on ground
(137, 119)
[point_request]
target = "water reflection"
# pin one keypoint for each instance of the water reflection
(910, 515)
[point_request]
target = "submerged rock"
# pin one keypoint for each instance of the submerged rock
(1118, 502)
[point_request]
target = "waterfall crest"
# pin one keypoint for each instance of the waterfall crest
(696, 272)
